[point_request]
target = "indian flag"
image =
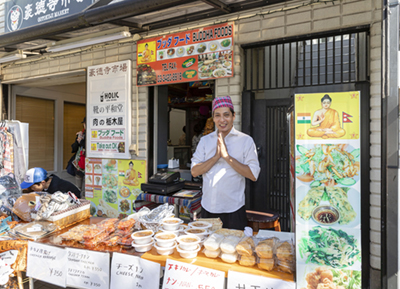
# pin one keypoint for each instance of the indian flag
(303, 118)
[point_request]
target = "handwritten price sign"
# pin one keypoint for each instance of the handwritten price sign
(237, 280)
(46, 263)
(183, 275)
(134, 272)
(88, 269)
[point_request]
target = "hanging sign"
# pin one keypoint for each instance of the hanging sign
(131, 271)
(184, 275)
(25, 13)
(46, 263)
(237, 280)
(108, 110)
(328, 200)
(88, 269)
(198, 54)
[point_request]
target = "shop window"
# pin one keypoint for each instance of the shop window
(73, 116)
(39, 113)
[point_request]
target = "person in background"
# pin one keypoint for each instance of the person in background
(182, 139)
(198, 133)
(79, 147)
(36, 180)
(225, 158)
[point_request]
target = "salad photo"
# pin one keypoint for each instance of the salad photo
(328, 165)
(329, 247)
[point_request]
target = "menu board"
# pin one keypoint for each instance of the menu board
(112, 185)
(327, 171)
(198, 54)
(108, 121)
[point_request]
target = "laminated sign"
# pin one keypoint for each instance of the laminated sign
(328, 201)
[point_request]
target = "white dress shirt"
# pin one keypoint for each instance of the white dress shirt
(223, 187)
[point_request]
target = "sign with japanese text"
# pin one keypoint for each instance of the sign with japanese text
(88, 269)
(108, 121)
(112, 186)
(7, 259)
(183, 275)
(46, 263)
(21, 14)
(131, 271)
(198, 54)
(238, 280)
(327, 189)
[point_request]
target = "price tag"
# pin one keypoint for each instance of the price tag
(6, 260)
(184, 275)
(88, 269)
(133, 272)
(46, 263)
(237, 280)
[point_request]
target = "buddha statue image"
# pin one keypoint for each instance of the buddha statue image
(326, 121)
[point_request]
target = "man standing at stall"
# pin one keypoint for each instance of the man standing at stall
(225, 158)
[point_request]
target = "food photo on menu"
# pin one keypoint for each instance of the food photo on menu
(317, 277)
(215, 65)
(328, 206)
(327, 164)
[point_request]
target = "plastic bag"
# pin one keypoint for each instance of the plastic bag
(9, 185)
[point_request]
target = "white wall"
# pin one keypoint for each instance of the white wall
(285, 20)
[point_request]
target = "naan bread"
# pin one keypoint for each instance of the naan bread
(108, 210)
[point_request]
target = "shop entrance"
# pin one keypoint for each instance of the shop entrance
(54, 113)
(184, 116)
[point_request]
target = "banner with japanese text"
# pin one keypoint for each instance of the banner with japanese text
(112, 185)
(108, 110)
(198, 54)
(21, 14)
(328, 199)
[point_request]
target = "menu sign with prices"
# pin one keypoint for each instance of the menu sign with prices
(237, 280)
(183, 275)
(198, 54)
(133, 272)
(88, 269)
(108, 121)
(7, 259)
(328, 189)
(46, 263)
(112, 186)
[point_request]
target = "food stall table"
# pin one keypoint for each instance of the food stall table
(194, 204)
(216, 264)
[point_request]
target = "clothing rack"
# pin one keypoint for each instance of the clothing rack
(14, 148)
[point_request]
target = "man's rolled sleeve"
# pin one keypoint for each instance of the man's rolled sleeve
(251, 159)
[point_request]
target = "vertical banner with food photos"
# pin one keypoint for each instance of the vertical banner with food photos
(112, 185)
(327, 170)
(198, 54)
(108, 120)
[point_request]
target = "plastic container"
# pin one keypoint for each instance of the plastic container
(176, 232)
(126, 224)
(142, 237)
(188, 254)
(202, 233)
(165, 250)
(172, 224)
(200, 225)
(165, 239)
(143, 247)
(188, 242)
(92, 233)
